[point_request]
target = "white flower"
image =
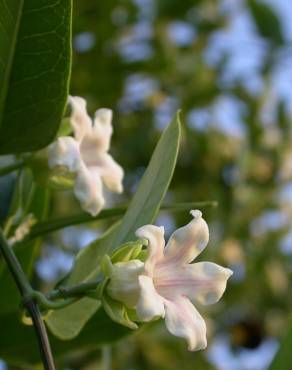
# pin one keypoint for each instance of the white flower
(169, 283)
(86, 156)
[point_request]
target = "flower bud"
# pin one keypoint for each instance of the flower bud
(124, 284)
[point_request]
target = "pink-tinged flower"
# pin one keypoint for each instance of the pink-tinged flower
(168, 284)
(86, 157)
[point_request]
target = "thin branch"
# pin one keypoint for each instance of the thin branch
(29, 303)
(41, 333)
(74, 291)
(46, 227)
(11, 168)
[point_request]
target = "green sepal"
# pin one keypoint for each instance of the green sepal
(142, 256)
(106, 265)
(99, 290)
(128, 251)
(58, 178)
(38, 163)
(61, 179)
(117, 312)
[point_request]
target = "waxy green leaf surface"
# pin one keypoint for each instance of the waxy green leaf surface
(35, 60)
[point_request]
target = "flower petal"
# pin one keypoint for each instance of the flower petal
(80, 120)
(90, 149)
(111, 172)
(102, 127)
(183, 320)
(203, 282)
(64, 152)
(88, 190)
(124, 283)
(186, 243)
(155, 237)
(150, 305)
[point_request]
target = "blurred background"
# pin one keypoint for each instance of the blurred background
(228, 65)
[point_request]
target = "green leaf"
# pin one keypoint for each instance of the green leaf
(19, 346)
(147, 200)
(77, 314)
(283, 358)
(142, 210)
(267, 22)
(35, 61)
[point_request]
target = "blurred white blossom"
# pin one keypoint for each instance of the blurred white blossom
(85, 156)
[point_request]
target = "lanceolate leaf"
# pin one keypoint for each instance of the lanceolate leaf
(35, 54)
(154, 184)
(142, 210)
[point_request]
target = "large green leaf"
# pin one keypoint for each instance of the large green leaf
(77, 315)
(35, 58)
(283, 358)
(19, 346)
(142, 210)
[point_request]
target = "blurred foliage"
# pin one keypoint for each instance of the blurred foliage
(145, 59)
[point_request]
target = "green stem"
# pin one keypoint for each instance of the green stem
(43, 228)
(11, 168)
(47, 227)
(29, 303)
(47, 304)
(74, 291)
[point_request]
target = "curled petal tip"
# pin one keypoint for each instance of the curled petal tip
(229, 272)
(196, 213)
(199, 347)
(104, 115)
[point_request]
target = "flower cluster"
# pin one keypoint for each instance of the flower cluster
(85, 156)
(168, 284)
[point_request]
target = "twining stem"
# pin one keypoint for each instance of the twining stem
(47, 304)
(64, 296)
(29, 303)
